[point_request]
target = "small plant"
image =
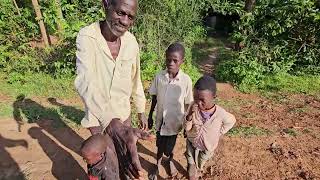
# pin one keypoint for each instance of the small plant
(248, 131)
(306, 130)
(290, 132)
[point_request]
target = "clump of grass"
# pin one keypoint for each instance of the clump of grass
(5, 110)
(305, 84)
(36, 84)
(290, 132)
(306, 130)
(248, 131)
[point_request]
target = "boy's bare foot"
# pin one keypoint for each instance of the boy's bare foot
(154, 174)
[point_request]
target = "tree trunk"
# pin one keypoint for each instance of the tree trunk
(59, 15)
(40, 21)
(15, 4)
(249, 5)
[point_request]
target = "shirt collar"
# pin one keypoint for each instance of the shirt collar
(178, 76)
(103, 43)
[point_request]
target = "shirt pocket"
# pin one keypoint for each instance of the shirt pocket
(125, 69)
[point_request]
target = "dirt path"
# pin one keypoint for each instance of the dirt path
(275, 138)
(290, 149)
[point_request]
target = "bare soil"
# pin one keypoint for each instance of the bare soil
(291, 149)
(40, 151)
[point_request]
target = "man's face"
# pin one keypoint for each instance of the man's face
(121, 16)
(173, 61)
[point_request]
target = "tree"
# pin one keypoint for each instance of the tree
(249, 5)
(40, 21)
(59, 14)
(16, 5)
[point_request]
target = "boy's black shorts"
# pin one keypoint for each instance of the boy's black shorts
(165, 144)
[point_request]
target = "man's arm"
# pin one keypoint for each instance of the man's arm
(87, 88)
(125, 139)
(153, 105)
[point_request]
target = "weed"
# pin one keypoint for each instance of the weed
(248, 131)
(306, 130)
(290, 132)
(5, 110)
(292, 84)
(36, 84)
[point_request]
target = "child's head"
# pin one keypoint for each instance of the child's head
(93, 149)
(174, 57)
(204, 92)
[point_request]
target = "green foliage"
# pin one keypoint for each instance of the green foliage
(247, 131)
(5, 110)
(306, 84)
(36, 84)
(226, 6)
(247, 73)
(284, 41)
(290, 132)
(160, 23)
(21, 47)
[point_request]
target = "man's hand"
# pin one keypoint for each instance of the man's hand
(125, 139)
(143, 123)
(150, 121)
(95, 130)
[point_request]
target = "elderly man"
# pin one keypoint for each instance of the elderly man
(108, 74)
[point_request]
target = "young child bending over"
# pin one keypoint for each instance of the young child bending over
(204, 123)
(97, 154)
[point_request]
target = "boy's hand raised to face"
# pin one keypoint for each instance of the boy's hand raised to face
(125, 139)
(192, 110)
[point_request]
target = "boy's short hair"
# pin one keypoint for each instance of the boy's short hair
(206, 83)
(95, 143)
(174, 47)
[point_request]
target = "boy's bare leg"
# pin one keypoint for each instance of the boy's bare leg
(155, 173)
(190, 155)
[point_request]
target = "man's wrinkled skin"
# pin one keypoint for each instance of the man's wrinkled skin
(125, 139)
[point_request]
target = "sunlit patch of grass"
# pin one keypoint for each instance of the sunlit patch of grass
(248, 131)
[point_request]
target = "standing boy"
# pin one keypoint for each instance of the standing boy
(205, 122)
(171, 91)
